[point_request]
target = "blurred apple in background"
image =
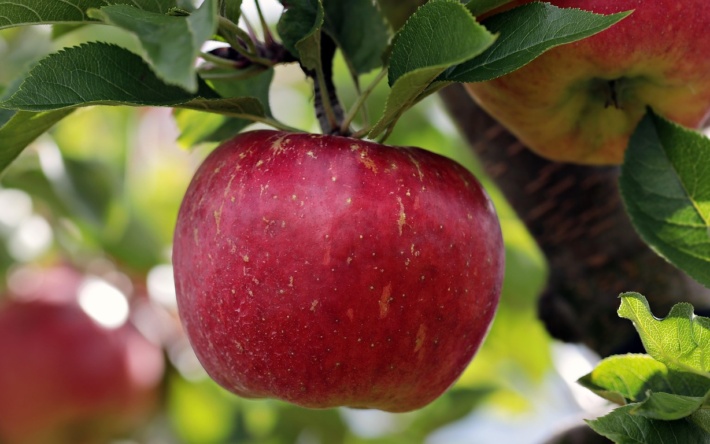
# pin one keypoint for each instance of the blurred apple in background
(73, 370)
(581, 102)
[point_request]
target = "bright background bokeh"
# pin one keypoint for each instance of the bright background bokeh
(101, 192)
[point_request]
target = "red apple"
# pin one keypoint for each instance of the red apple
(64, 378)
(328, 271)
(580, 102)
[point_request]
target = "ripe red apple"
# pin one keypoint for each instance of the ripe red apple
(580, 102)
(328, 271)
(64, 378)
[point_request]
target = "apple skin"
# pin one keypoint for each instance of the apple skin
(64, 378)
(327, 271)
(560, 105)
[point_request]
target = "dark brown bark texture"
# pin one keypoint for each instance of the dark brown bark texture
(578, 435)
(576, 215)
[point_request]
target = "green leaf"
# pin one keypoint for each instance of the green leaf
(300, 30)
(478, 7)
(5, 116)
(681, 340)
(665, 184)
(93, 74)
(440, 34)
(197, 127)
(701, 418)
(186, 5)
(624, 427)
(62, 29)
(359, 30)
(672, 385)
(171, 44)
(525, 33)
(103, 74)
(629, 378)
(200, 127)
(669, 407)
(256, 86)
(33, 12)
(239, 107)
(21, 129)
(230, 9)
(94, 187)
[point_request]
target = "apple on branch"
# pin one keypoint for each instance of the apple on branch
(329, 271)
(580, 102)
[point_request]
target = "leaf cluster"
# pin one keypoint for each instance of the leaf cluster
(665, 394)
(441, 43)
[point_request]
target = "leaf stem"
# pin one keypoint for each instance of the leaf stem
(265, 120)
(329, 111)
(273, 122)
(237, 38)
(387, 133)
(230, 31)
(268, 38)
(250, 28)
(218, 61)
(361, 100)
(232, 74)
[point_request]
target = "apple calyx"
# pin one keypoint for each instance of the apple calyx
(612, 96)
(580, 102)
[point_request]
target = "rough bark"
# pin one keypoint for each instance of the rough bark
(581, 434)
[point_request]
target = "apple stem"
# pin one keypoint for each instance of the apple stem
(329, 111)
(613, 94)
(325, 103)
